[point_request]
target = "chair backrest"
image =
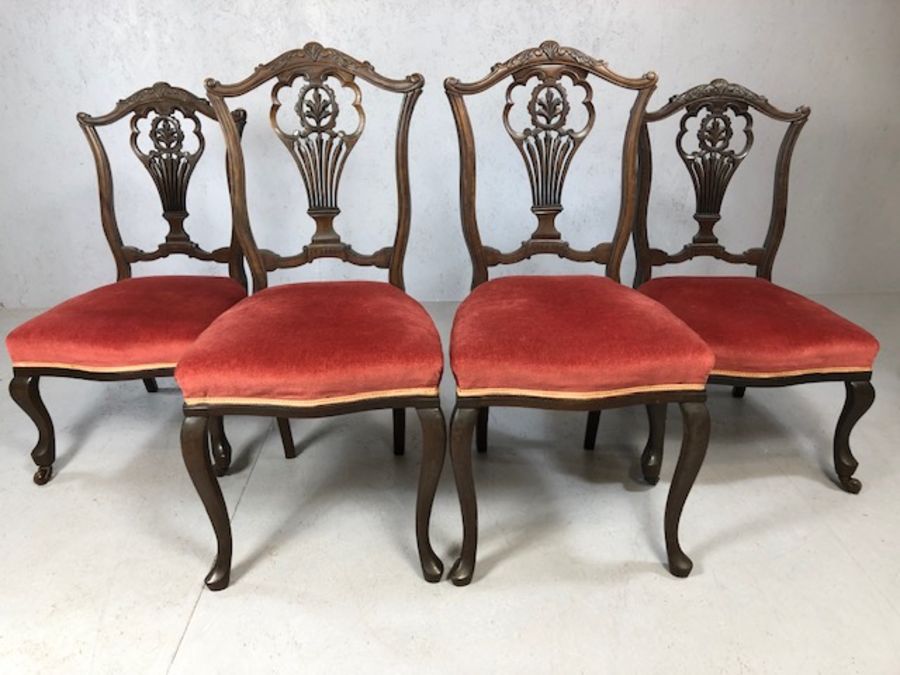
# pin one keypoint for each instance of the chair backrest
(165, 150)
(547, 147)
(320, 149)
(724, 138)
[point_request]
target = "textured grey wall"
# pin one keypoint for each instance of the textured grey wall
(842, 59)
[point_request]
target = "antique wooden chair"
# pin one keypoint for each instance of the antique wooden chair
(763, 335)
(136, 328)
(563, 342)
(316, 349)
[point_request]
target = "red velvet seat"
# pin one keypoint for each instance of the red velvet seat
(134, 324)
(758, 329)
(313, 343)
(571, 337)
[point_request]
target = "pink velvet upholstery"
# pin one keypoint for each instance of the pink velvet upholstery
(135, 324)
(315, 343)
(571, 337)
(758, 329)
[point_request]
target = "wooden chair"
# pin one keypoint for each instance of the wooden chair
(136, 328)
(763, 335)
(563, 342)
(316, 349)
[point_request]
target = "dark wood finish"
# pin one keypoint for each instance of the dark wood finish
(548, 147)
(711, 165)
(399, 431)
(170, 162)
(320, 146)
(725, 113)
(481, 430)
(25, 391)
(695, 439)
(860, 396)
(590, 431)
(651, 458)
(434, 446)
(195, 452)
(221, 448)
(287, 438)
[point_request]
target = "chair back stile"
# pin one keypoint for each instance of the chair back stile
(320, 150)
(720, 149)
(170, 163)
(548, 147)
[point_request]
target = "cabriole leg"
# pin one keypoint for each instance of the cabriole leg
(461, 427)
(399, 431)
(195, 452)
(221, 448)
(860, 396)
(695, 418)
(25, 392)
(651, 458)
(590, 430)
(434, 445)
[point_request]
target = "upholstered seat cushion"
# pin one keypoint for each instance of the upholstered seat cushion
(315, 343)
(758, 329)
(571, 337)
(134, 324)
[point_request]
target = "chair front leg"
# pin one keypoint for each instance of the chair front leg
(695, 418)
(195, 452)
(461, 427)
(860, 396)
(25, 392)
(590, 429)
(399, 431)
(434, 449)
(221, 448)
(738, 392)
(150, 385)
(651, 458)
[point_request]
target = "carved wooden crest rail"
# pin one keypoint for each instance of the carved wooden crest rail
(547, 147)
(169, 159)
(724, 137)
(320, 147)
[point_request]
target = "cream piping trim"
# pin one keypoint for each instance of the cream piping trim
(311, 403)
(93, 369)
(790, 373)
(578, 395)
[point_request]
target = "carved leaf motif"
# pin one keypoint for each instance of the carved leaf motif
(317, 108)
(549, 106)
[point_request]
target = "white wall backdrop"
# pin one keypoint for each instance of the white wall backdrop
(840, 58)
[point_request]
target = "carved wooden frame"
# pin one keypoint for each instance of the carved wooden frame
(550, 60)
(316, 63)
(164, 100)
(720, 96)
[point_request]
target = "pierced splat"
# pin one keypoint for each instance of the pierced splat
(169, 164)
(714, 161)
(548, 146)
(320, 149)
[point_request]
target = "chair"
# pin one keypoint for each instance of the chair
(575, 342)
(316, 349)
(136, 328)
(763, 335)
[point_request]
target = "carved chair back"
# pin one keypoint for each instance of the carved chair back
(169, 153)
(547, 147)
(724, 138)
(320, 146)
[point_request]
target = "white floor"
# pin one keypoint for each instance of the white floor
(101, 570)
